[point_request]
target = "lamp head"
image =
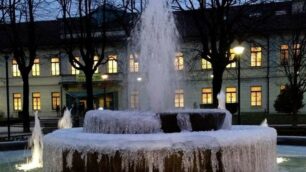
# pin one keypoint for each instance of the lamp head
(238, 50)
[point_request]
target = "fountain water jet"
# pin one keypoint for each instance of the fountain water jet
(65, 121)
(36, 142)
(157, 42)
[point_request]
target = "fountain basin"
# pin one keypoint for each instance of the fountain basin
(243, 148)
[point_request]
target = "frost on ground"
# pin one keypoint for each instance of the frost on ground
(243, 148)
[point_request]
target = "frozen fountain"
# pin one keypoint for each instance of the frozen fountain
(156, 138)
(36, 143)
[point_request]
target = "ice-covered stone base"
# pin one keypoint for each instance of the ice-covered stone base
(137, 122)
(241, 149)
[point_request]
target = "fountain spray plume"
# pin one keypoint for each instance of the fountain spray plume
(221, 100)
(264, 123)
(222, 105)
(36, 143)
(65, 121)
(157, 44)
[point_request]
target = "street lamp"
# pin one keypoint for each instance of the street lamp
(139, 79)
(238, 52)
(104, 77)
(7, 98)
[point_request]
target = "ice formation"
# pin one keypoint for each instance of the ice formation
(221, 100)
(65, 121)
(243, 148)
(264, 123)
(135, 122)
(36, 142)
(121, 122)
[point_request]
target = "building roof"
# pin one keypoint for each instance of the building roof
(281, 15)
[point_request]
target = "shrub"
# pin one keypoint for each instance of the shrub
(290, 100)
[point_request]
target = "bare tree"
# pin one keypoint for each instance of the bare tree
(293, 62)
(85, 27)
(19, 17)
(219, 23)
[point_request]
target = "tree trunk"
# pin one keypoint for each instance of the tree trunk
(295, 108)
(25, 105)
(89, 90)
(217, 84)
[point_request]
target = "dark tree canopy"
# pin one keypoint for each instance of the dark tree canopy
(290, 100)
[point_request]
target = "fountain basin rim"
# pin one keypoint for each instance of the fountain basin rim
(76, 139)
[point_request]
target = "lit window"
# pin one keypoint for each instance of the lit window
(17, 101)
(179, 61)
(112, 64)
(232, 56)
(256, 56)
(36, 68)
(231, 95)
(256, 96)
(96, 59)
(205, 64)
(179, 98)
(134, 99)
(75, 71)
(56, 100)
(16, 71)
(36, 101)
(134, 64)
(206, 96)
(296, 50)
(284, 53)
(55, 66)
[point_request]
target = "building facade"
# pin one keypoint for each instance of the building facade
(55, 84)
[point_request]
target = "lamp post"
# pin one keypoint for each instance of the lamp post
(238, 52)
(7, 98)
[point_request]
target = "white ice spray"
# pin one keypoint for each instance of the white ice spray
(65, 121)
(36, 142)
(264, 123)
(221, 100)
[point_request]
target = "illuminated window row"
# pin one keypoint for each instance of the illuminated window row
(112, 65)
(207, 97)
(55, 67)
(178, 99)
(256, 59)
(284, 52)
(231, 95)
(36, 101)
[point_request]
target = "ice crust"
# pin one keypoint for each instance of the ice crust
(135, 122)
(121, 122)
(244, 148)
